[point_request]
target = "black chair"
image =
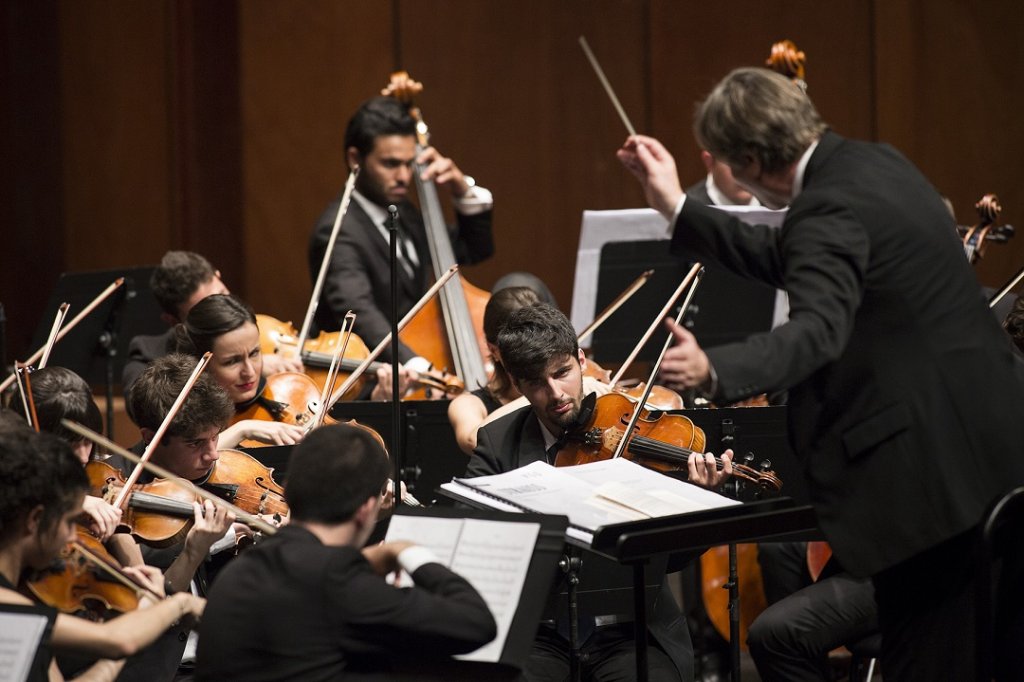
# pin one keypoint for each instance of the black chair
(998, 592)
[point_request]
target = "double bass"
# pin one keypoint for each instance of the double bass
(449, 331)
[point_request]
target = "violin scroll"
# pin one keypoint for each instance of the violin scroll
(786, 59)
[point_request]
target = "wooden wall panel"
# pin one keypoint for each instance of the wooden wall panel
(305, 67)
(694, 45)
(510, 96)
(115, 133)
(950, 92)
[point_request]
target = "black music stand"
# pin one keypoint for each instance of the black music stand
(636, 543)
(543, 568)
(97, 348)
(726, 307)
(431, 456)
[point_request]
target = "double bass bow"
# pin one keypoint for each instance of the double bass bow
(457, 316)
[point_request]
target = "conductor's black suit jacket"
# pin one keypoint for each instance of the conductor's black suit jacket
(900, 378)
(359, 274)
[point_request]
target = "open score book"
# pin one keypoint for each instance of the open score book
(591, 495)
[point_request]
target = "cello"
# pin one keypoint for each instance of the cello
(449, 332)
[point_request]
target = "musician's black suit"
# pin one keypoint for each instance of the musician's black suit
(359, 275)
(294, 609)
(514, 441)
(898, 375)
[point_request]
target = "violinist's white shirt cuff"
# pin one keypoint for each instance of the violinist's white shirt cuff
(477, 200)
(411, 558)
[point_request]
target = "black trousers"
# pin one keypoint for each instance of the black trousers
(790, 640)
(608, 655)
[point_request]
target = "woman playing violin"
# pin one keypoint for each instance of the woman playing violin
(42, 485)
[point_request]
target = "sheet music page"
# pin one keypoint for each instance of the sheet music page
(542, 488)
(494, 557)
(439, 535)
(20, 634)
(638, 479)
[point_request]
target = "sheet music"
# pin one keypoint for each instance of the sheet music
(20, 634)
(494, 557)
(440, 536)
(582, 492)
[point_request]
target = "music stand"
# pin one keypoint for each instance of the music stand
(97, 348)
(637, 542)
(726, 307)
(25, 628)
(543, 566)
(431, 456)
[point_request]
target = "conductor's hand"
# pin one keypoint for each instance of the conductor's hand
(654, 167)
(686, 365)
(443, 171)
(704, 471)
(383, 558)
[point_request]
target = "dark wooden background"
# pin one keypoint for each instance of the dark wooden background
(135, 126)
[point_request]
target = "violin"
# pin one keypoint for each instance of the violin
(282, 338)
(288, 397)
(87, 581)
(158, 513)
(663, 442)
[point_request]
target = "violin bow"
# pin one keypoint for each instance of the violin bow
(607, 86)
(158, 436)
(612, 307)
(352, 378)
(695, 275)
(662, 314)
(1006, 288)
(69, 326)
(245, 517)
(332, 374)
(21, 372)
(314, 300)
(58, 320)
(114, 572)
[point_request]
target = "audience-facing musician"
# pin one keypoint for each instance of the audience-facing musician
(42, 485)
(381, 140)
(539, 350)
(311, 603)
(182, 279)
(895, 411)
(224, 325)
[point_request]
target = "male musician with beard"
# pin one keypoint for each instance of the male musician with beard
(540, 352)
(381, 139)
(42, 485)
(898, 375)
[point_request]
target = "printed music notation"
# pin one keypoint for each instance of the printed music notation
(493, 556)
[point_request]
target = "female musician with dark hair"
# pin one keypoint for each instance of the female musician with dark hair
(225, 326)
(41, 491)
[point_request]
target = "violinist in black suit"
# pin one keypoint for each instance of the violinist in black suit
(539, 350)
(380, 139)
(897, 372)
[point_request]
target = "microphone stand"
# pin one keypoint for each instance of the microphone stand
(396, 414)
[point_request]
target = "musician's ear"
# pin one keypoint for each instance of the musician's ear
(582, 358)
(353, 158)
